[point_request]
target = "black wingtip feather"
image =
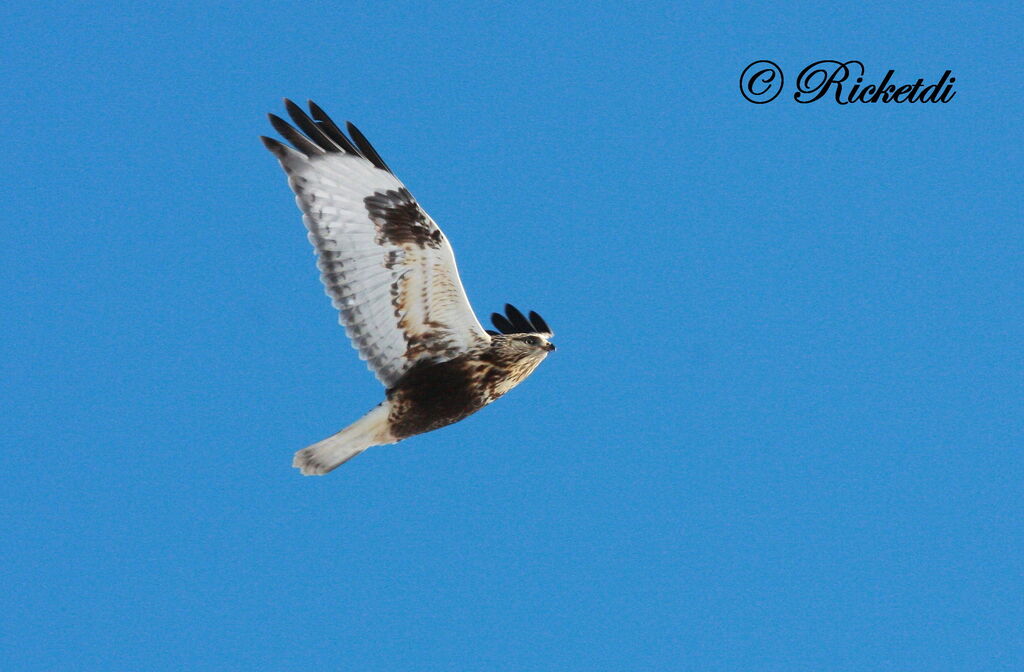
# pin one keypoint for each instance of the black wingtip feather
(298, 140)
(310, 128)
(501, 324)
(517, 319)
(276, 147)
(365, 147)
(331, 129)
(539, 324)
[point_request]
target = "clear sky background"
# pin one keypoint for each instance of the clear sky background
(782, 430)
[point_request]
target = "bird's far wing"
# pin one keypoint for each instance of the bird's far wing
(385, 264)
(514, 322)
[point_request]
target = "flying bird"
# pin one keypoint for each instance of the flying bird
(391, 273)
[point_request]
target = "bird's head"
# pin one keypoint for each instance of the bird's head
(530, 345)
(519, 355)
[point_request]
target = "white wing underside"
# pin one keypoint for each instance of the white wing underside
(399, 300)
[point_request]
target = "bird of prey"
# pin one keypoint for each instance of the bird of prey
(390, 272)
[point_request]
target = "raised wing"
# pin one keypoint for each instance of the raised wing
(386, 265)
(514, 322)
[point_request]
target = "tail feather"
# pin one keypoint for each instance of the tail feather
(334, 451)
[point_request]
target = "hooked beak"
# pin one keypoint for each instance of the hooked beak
(551, 347)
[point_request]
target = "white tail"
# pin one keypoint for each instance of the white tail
(334, 451)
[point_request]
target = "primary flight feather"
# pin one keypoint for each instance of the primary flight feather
(391, 273)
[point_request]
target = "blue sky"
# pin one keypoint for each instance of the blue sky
(782, 430)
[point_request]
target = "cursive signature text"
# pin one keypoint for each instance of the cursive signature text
(817, 79)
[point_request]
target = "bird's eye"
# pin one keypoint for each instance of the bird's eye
(532, 340)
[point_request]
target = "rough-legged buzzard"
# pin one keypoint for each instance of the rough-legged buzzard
(390, 272)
